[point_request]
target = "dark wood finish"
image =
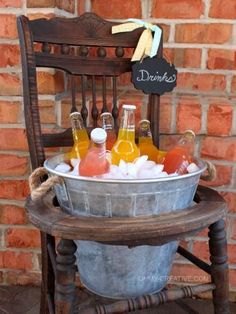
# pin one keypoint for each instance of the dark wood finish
(65, 279)
(219, 267)
(67, 45)
(148, 301)
(152, 230)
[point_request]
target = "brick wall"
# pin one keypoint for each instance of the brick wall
(200, 38)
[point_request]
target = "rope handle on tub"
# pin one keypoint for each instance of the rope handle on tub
(211, 172)
(39, 189)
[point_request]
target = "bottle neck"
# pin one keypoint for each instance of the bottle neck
(127, 125)
(187, 141)
(78, 131)
(107, 121)
(145, 134)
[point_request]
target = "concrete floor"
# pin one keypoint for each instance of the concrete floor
(25, 300)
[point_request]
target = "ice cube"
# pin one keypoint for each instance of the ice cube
(148, 164)
(123, 167)
(145, 174)
(131, 170)
(158, 168)
(140, 161)
(192, 168)
(162, 174)
(63, 167)
(74, 162)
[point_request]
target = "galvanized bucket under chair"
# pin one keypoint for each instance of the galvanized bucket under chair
(120, 271)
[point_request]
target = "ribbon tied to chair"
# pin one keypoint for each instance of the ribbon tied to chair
(147, 45)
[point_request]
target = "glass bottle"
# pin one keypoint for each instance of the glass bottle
(108, 126)
(94, 162)
(179, 157)
(146, 145)
(80, 137)
(125, 147)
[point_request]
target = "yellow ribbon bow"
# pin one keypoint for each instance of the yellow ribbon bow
(147, 45)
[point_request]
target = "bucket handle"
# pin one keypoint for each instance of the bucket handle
(211, 172)
(38, 189)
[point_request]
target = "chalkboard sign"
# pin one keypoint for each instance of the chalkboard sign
(154, 75)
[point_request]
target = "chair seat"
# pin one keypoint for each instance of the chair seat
(152, 230)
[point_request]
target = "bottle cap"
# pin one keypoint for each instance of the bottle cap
(129, 107)
(75, 114)
(98, 135)
(105, 113)
(190, 133)
(144, 120)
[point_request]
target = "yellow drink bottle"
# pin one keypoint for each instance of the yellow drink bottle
(107, 125)
(125, 147)
(80, 137)
(146, 145)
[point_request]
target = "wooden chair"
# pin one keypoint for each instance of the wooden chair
(65, 45)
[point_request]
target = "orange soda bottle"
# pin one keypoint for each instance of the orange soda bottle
(179, 157)
(125, 147)
(108, 126)
(94, 162)
(146, 145)
(80, 137)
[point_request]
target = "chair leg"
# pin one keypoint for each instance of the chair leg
(65, 277)
(219, 267)
(48, 280)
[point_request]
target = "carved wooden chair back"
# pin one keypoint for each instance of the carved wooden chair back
(70, 45)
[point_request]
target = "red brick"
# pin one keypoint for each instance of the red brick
(233, 224)
(40, 4)
(188, 115)
(177, 9)
(225, 9)
(203, 233)
(10, 111)
(230, 198)
(165, 114)
(13, 139)
(201, 82)
(232, 278)
(8, 26)
(67, 5)
(219, 148)
(49, 83)
(233, 85)
(12, 215)
(12, 165)
(80, 7)
(14, 189)
(185, 273)
(184, 58)
(203, 33)
(201, 250)
(47, 111)
(221, 59)
(223, 176)
(231, 253)
(39, 15)
(165, 32)
(10, 3)
(117, 9)
(10, 55)
(16, 260)
(168, 141)
(10, 84)
(22, 238)
(23, 278)
(219, 119)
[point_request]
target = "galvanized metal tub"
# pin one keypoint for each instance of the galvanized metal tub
(119, 271)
